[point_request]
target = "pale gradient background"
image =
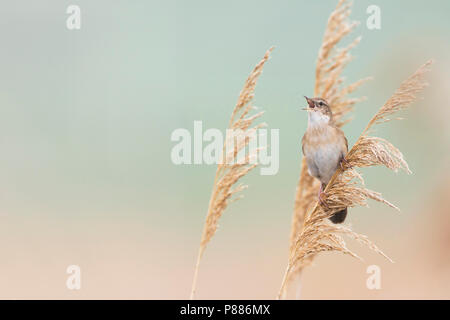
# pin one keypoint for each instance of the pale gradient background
(85, 171)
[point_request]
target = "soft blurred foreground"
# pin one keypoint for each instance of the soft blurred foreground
(127, 260)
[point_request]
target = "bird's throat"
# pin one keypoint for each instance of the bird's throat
(317, 119)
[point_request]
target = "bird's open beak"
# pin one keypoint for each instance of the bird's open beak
(310, 102)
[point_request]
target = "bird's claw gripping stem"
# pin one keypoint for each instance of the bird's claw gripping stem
(322, 198)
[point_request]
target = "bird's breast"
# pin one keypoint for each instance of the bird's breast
(323, 153)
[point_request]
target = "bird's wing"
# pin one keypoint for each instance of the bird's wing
(303, 143)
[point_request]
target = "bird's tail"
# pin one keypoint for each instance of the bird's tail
(339, 216)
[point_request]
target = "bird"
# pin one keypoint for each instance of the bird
(324, 146)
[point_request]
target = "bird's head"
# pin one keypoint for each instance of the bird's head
(319, 112)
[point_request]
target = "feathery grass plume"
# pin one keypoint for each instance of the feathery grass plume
(317, 234)
(233, 166)
(328, 85)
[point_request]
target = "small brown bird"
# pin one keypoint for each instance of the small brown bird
(324, 146)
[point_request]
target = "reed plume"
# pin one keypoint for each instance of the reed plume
(331, 62)
(233, 165)
(346, 187)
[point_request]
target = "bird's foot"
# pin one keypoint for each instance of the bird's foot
(345, 164)
(322, 198)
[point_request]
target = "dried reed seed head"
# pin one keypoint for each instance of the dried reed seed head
(403, 96)
(346, 192)
(316, 238)
(372, 151)
(232, 167)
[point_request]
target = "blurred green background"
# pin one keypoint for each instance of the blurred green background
(85, 124)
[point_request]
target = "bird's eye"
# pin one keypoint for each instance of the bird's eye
(320, 103)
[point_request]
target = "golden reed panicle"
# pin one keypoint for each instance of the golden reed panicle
(231, 169)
